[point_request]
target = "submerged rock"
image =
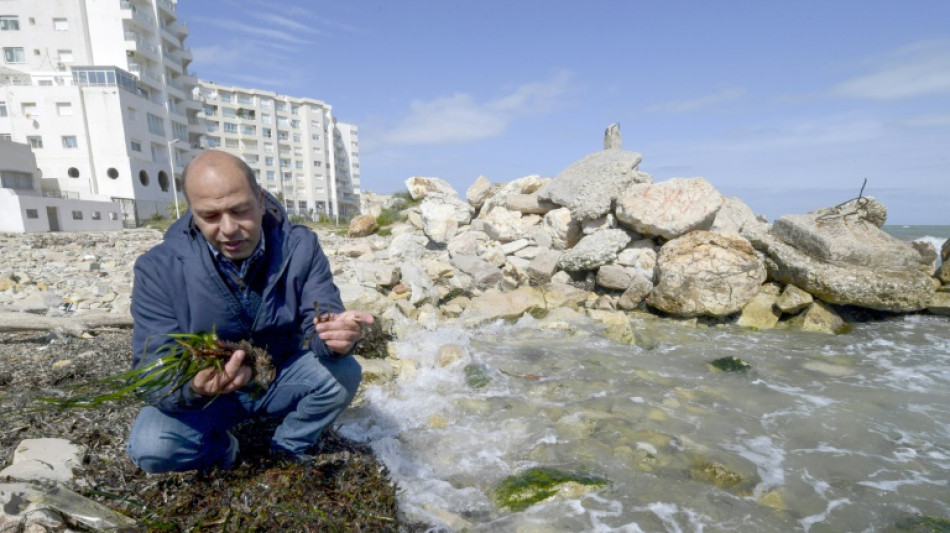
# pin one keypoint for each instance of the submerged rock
(534, 485)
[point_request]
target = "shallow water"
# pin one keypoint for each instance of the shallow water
(828, 433)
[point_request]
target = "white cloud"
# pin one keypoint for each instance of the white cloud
(461, 118)
(726, 94)
(931, 120)
(235, 26)
(920, 69)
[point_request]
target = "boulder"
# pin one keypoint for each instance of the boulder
(819, 317)
(734, 216)
(376, 274)
(760, 312)
(442, 216)
(562, 229)
(939, 304)
(478, 192)
(865, 209)
(421, 287)
(543, 266)
(528, 204)
(638, 289)
(706, 273)
(843, 241)
(847, 260)
(484, 274)
(362, 225)
(589, 186)
(615, 277)
(421, 187)
(594, 250)
(874, 288)
(502, 224)
(671, 208)
(507, 305)
(928, 256)
(793, 300)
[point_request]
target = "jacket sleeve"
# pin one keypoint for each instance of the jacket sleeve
(154, 317)
(319, 287)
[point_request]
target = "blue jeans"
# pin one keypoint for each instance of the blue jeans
(309, 392)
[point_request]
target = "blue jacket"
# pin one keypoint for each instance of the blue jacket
(177, 289)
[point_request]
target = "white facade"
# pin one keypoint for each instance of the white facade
(23, 208)
(295, 146)
(100, 90)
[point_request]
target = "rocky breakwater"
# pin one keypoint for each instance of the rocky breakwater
(602, 239)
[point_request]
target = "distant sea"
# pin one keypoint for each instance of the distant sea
(910, 233)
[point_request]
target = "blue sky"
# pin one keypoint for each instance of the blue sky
(788, 105)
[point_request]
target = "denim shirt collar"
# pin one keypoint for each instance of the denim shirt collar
(234, 272)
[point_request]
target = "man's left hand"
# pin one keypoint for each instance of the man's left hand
(341, 331)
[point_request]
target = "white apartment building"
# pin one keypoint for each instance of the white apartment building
(299, 151)
(101, 92)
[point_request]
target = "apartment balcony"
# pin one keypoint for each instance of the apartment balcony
(178, 29)
(172, 64)
(166, 6)
(139, 16)
(136, 44)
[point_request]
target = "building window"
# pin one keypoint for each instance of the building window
(135, 145)
(265, 118)
(6, 137)
(227, 112)
(163, 181)
(69, 141)
(96, 215)
(77, 215)
(266, 132)
(73, 172)
(29, 110)
(64, 109)
(16, 180)
(32, 213)
(65, 56)
(269, 161)
(143, 178)
(9, 23)
(113, 216)
(60, 24)
(36, 142)
(270, 175)
(232, 143)
(267, 103)
(3, 109)
(112, 173)
(156, 125)
(230, 127)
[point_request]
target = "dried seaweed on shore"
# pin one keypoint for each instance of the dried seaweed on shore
(346, 489)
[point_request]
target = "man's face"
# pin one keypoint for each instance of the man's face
(225, 209)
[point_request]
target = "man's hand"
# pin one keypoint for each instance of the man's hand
(340, 332)
(210, 382)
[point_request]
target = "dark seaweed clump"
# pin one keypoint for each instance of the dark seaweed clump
(344, 489)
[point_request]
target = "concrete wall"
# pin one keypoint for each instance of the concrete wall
(16, 212)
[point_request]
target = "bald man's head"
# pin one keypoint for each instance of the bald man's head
(213, 159)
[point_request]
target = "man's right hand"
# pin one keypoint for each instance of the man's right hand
(211, 382)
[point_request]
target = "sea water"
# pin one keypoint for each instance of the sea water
(822, 433)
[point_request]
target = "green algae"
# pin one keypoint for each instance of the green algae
(730, 364)
(923, 524)
(715, 474)
(520, 491)
(476, 376)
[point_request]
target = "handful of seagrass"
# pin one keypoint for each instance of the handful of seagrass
(175, 367)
